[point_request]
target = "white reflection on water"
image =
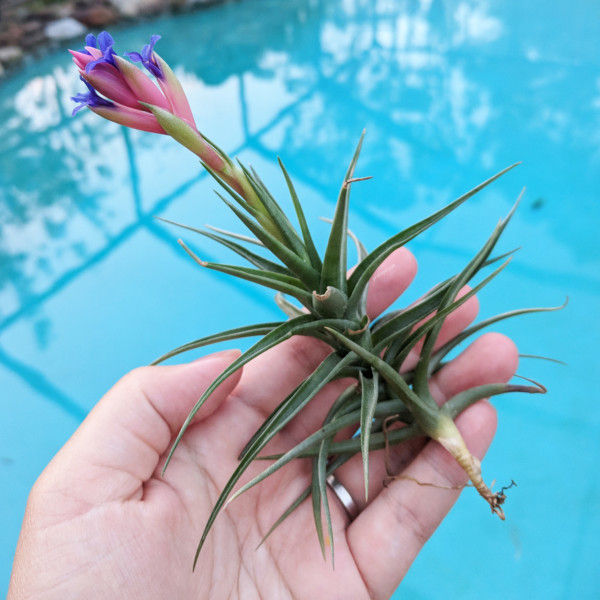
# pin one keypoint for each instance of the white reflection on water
(474, 24)
(443, 88)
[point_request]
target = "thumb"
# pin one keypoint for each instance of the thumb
(118, 446)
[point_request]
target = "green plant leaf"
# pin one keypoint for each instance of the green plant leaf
(328, 430)
(255, 259)
(303, 393)
(426, 416)
(361, 251)
(287, 231)
(291, 403)
(321, 464)
(251, 203)
(432, 297)
(409, 343)
(369, 395)
(231, 334)
(421, 375)
(309, 244)
(239, 199)
(351, 447)
(335, 261)
(236, 236)
(335, 464)
(463, 400)
(291, 310)
(359, 279)
(391, 330)
(276, 336)
(405, 319)
(548, 358)
(302, 269)
(277, 281)
(439, 355)
(340, 404)
(258, 261)
(316, 505)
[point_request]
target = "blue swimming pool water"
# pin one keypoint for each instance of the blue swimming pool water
(91, 285)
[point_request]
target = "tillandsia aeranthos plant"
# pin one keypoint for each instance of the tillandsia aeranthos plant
(331, 303)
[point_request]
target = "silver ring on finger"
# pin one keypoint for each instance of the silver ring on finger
(343, 495)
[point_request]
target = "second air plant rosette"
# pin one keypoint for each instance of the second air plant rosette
(383, 406)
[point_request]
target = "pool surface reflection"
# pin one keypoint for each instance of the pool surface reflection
(92, 285)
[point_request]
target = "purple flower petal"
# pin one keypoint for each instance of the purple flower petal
(90, 40)
(108, 57)
(134, 56)
(149, 48)
(89, 98)
(105, 41)
(145, 57)
(93, 63)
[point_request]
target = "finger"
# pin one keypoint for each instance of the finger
(118, 446)
(492, 358)
(273, 375)
(390, 281)
(405, 514)
(454, 323)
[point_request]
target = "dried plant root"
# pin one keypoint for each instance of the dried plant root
(472, 467)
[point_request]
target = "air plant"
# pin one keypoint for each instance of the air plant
(331, 304)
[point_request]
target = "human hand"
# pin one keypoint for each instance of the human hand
(102, 522)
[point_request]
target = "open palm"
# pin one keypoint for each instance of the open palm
(101, 522)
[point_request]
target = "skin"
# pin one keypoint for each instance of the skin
(100, 519)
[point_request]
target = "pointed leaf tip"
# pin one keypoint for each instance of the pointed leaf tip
(542, 389)
(548, 358)
(194, 256)
(354, 179)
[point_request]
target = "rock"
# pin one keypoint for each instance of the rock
(64, 29)
(31, 34)
(10, 56)
(31, 40)
(2, 71)
(96, 16)
(133, 8)
(11, 36)
(31, 27)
